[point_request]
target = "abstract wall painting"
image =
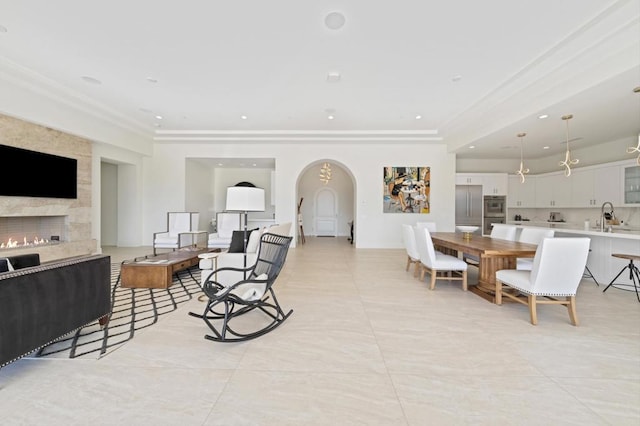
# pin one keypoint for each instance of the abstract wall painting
(406, 189)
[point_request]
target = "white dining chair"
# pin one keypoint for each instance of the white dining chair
(531, 236)
(557, 270)
(436, 263)
(413, 257)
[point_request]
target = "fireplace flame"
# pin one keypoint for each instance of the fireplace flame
(11, 243)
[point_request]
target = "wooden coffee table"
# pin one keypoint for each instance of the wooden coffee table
(157, 271)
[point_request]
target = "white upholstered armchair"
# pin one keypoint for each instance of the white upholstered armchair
(182, 231)
(226, 223)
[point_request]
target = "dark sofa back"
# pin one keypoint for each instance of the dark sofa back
(42, 303)
(20, 261)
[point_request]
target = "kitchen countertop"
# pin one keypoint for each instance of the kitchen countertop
(619, 231)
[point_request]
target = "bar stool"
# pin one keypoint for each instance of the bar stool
(634, 274)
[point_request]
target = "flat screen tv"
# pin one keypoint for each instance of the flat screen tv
(28, 173)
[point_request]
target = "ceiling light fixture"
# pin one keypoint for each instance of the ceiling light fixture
(472, 147)
(522, 170)
(418, 117)
(568, 162)
(152, 80)
(330, 117)
(456, 78)
(333, 77)
(244, 117)
(632, 149)
(334, 20)
(325, 173)
(543, 116)
(159, 117)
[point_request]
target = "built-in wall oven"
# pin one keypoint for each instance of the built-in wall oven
(494, 211)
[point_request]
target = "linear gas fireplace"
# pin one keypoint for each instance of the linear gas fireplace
(30, 231)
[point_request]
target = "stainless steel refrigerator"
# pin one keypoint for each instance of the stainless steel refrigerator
(469, 205)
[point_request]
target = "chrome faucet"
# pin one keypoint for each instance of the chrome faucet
(602, 213)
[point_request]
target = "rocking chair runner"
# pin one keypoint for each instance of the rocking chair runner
(256, 292)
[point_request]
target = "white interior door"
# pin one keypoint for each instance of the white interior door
(326, 213)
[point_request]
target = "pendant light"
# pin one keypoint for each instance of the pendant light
(632, 149)
(522, 170)
(325, 173)
(568, 162)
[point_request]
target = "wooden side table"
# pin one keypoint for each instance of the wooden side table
(634, 274)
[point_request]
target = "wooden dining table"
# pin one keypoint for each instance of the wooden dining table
(493, 254)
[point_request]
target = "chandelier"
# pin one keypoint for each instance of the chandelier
(633, 149)
(325, 173)
(522, 170)
(568, 162)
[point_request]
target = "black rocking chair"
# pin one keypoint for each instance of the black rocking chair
(226, 303)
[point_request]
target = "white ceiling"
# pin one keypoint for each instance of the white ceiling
(478, 72)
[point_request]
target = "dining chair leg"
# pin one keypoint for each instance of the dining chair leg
(434, 274)
(464, 280)
(408, 263)
(533, 309)
(571, 306)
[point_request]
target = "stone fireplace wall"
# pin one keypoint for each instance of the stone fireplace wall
(77, 241)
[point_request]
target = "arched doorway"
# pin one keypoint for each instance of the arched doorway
(328, 208)
(326, 212)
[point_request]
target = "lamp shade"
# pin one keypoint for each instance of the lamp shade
(245, 199)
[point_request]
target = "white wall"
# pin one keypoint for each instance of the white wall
(165, 181)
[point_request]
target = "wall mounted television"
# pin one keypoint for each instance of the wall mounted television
(28, 173)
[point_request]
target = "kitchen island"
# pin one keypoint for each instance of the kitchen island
(602, 265)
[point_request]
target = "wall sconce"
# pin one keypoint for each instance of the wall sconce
(568, 162)
(325, 173)
(522, 170)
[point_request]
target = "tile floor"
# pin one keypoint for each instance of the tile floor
(367, 344)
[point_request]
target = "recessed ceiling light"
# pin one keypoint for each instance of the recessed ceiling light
(334, 20)
(91, 80)
(418, 117)
(456, 78)
(219, 164)
(244, 117)
(151, 80)
(330, 117)
(333, 77)
(545, 147)
(543, 116)
(254, 164)
(3, 29)
(159, 117)
(472, 147)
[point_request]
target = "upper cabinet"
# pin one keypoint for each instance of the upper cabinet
(468, 179)
(495, 184)
(492, 183)
(521, 194)
(591, 187)
(553, 190)
(631, 185)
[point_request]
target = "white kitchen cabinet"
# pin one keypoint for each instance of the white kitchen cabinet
(553, 191)
(521, 194)
(492, 183)
(631, 185)
(495, 184)
(590, 187)
(468, 179)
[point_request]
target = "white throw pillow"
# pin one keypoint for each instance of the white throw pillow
(256, 291)
(254, 241)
